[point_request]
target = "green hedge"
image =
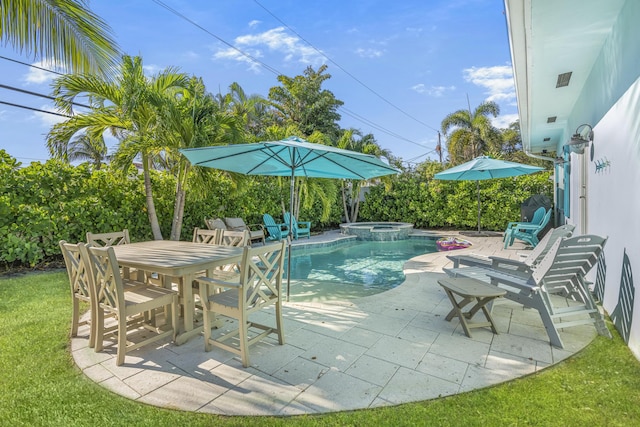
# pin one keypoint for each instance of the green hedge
(43, 203)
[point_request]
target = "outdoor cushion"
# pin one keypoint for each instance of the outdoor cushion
(212, 224)
(236, 224)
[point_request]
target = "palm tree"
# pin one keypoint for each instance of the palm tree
(65, 32)
(196, 120)
(128, 108)
(351, 187)
(250, 109)
(473, 133)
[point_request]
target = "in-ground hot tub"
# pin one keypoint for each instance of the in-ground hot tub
(378, 230)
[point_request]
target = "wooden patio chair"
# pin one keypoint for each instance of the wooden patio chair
(209, 237)
(300, 228)
(259, 286)
(113, 238)
(79, 278)
(256, 231)
(561, 273)
(529, 260)
(129, 308)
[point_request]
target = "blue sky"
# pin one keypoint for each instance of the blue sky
(400, 67)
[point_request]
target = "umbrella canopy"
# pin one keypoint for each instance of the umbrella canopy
(292, 157)
(482, 168)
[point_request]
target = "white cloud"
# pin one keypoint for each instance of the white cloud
(503, 121)
(48, 120)
(497, 80)
(151, 69)
(435, 91)
(275, 40)
(37, 76)
(369, 53)
(254, 23)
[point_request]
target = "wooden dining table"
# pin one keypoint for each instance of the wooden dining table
(173, 260)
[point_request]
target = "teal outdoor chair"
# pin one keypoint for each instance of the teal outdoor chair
(300, 228)
(276, 231)
(537, 218)
(527, 232)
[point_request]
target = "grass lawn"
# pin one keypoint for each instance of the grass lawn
(40, 385)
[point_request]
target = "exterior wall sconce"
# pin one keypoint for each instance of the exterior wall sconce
(578, 142)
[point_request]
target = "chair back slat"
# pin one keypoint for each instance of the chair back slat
(77, 270)
(210, 237)
(108, 239)
(261, 275)
(109, 290)
(235, 238)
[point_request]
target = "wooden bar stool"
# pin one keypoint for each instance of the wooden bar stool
(471, 290)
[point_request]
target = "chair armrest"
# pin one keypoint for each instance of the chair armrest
(283, 227)
(204, 283)
(510, 265)
(252, 226)
(307, 224)
(527, 227)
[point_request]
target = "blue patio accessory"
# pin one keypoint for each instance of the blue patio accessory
(482, 168)
(276, 231)
(528, 233)
(298, 231)
(536, 219)
(292, 157)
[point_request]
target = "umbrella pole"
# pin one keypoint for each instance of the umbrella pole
(478, 190)
(290, 234)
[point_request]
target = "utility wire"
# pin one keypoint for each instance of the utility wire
(41, 95)
(30, 65)
(275, 71)
(245, 54)
(345, 71)
(34, 109)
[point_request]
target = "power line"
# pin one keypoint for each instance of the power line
(41, 95)
(245, 54)
(30, 65)
(35, 109)
(275, 71)
(345, 71)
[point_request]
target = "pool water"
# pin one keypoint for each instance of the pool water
(351, 270)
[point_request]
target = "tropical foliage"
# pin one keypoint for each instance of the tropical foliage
(64, 32)
(470, 135)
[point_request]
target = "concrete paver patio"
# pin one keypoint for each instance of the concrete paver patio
(386, 349)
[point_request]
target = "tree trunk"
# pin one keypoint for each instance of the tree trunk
(178, 211)
(344, 202)
(151, 208)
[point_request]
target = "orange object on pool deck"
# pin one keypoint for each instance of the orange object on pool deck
(451, 243)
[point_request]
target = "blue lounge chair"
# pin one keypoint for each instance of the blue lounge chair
(298, 231)
(528, 233)
(276, 231)
(538, 215)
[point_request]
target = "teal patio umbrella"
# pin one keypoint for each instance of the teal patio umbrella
(291, 157)
(482, 168)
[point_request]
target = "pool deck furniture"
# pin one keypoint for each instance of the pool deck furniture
(471, 291)
(526, 232)
(526, 260)
(276, 231)
(183, 260)
(560, 272)
(259, 286)
(380, 350)
(300, 228)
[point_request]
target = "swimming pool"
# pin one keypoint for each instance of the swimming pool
(352, 269)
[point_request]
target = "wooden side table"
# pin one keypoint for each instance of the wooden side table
(471, 290)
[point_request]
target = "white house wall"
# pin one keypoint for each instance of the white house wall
(610, 101)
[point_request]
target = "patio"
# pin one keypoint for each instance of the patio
(381, 350)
